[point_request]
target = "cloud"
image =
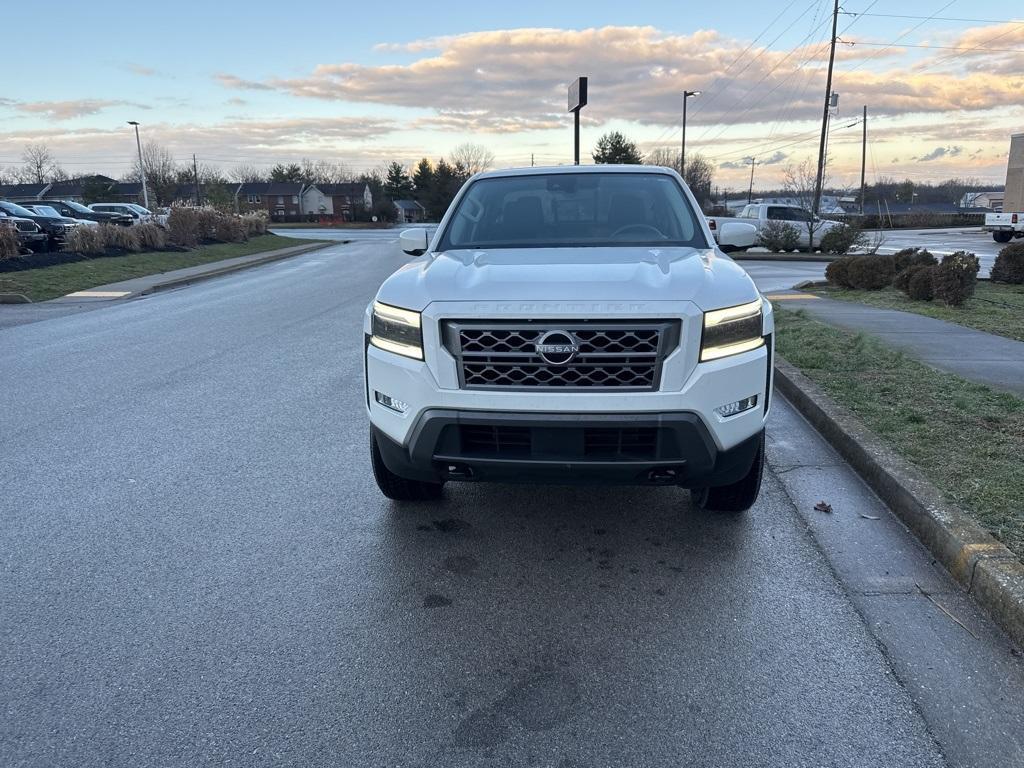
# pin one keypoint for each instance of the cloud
(237, 102)
(142, 70)
(232, 81)
(505, 81)
(735, 164)
(773, 159)
(939, 153)
(67, 110)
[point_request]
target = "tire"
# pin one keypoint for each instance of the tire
(1002, 237)
(737, 497)
(400, 488)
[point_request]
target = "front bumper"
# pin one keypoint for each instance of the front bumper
(580, 448)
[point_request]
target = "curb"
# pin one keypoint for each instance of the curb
(267, 259)
(814, 257)
(14, 298)
(986, 569)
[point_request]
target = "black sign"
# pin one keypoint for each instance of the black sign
(578, 94)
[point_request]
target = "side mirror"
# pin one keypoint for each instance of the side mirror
(736, 236)
(414, 241)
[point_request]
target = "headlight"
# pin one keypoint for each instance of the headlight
(397, 330)
(732, 330)
(59, 229)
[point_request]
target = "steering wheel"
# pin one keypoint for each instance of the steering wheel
(646, 227)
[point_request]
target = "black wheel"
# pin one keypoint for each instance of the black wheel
(737, 497)
(1002, 237)
(400, 488)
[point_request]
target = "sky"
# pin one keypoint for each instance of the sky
(365, 83)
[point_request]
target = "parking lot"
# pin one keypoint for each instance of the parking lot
(200, 571)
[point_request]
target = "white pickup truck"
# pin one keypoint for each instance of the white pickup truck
(1004, 226)
(570, 325)
(760, 213)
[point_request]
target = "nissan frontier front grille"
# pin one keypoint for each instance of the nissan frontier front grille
(552, 354)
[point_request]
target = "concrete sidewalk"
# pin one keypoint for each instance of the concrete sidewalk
(139, 286)
(973, 355)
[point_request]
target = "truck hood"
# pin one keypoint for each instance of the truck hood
(703, 276)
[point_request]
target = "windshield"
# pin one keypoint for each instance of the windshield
(77, 207)
(139, 208)
(573, 209)
(46, 210)
(16, 210)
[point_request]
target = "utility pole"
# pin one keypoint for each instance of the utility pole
(531, 159)
(142, 168)
(195, 175)
(577, 101)
(750, 191)
(863, 158)
(682, 154)
(820, 179)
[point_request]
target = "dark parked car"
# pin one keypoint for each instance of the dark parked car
(30, 236)
(74, 210)
(53, 228)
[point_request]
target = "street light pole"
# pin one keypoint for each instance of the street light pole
(682, 153)
(142, 168)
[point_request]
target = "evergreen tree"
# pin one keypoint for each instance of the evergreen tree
(423, 180)
(286, 173)
(615, 148)
(397, 184)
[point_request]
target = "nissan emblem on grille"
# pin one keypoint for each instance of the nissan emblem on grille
(557, 347)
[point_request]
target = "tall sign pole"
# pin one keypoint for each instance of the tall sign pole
(820, 179)
(142, 168)
(682, 153)
(577, 100)
(863, 158)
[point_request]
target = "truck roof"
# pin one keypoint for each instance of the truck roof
(547, 170)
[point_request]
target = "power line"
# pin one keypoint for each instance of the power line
(937, 47)
(930, 18)
(909, 31)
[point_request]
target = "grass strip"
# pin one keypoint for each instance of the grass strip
(966, 438)
(995, 307)
(61, 279)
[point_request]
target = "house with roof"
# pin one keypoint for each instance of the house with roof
(993, 200)
(23, 191)
(280, 199)
(409, 211)
(336, 201)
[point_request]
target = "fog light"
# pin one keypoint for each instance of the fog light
(391, 402)
(738, 407)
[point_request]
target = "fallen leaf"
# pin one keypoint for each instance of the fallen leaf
(869, 517)
(822, 506)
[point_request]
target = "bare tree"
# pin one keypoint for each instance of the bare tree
(324, 172)
(245, 173)
(473, 158)
(700, 173)
(40, 166)
(161, 171)
(663, 156)
(799, 182)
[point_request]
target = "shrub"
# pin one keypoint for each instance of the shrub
(183, 227)
(779, 236)
(1009, 266)
(842, 239)
(902, 280)
(86, 240)
(121, 238)
(255, 224)
(913, 256)
(230, 229)
(871, 273)
(151, 237)
(920, 286)
(955, 278)
(9, 247)
(838, 272)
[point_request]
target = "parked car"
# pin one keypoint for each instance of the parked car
(570, 325)
(30, 236)
(759, 214)
(73, 210)
(54, 228)
(139, 214)
(46, 210)
(1009, 224)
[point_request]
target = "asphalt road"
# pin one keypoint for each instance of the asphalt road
(197, 570)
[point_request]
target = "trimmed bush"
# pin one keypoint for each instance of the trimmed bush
(1009, 266)
(151, 237)
(920, 286)
(871, 273)
(902, 280)
(779, 236)
(838, 272)
(86, 240)
(913, 256)
(230, 229)
(9, 247)
(120, 238)
(843, 239)
(955, 278)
